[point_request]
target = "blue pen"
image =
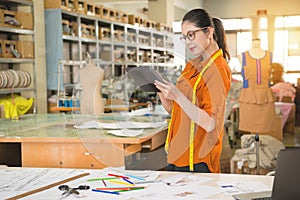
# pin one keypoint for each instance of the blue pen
(104, 191)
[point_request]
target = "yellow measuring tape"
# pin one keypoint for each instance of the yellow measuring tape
(192, 124)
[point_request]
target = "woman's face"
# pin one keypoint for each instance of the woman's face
(196, 39)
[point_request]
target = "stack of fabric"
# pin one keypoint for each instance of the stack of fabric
(246, 156)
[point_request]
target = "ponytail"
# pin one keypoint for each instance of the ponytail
(220, 37)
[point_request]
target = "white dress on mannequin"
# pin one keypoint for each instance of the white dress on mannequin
(91, 78)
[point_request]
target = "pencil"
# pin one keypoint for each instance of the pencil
(121, 188)
(119, 176)
(121, 182)
(136, 177)
(100, 179)
(128, 181)
(104, 191)
(131, 189)
(104, 183)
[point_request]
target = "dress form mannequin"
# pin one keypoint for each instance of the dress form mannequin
(257, 108)
(91, 78)
(256, 51)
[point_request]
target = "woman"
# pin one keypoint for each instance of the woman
(197, 102)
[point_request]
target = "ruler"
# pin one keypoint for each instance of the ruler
(48, 186)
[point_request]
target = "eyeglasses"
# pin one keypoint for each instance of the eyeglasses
(191, 35)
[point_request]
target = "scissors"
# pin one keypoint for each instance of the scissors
(69, 190)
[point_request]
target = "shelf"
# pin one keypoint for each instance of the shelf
(16, 30)
(16, 60)
(114, 46)
(17, 2)
(15, 90)
(65, 108)
(22, 40)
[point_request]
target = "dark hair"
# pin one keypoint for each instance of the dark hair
(201, 18)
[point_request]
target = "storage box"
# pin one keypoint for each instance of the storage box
(112, 15)
(64, 4)
(142, 22)
(150, 24)
(73, 28)
(12, 15)
(89, 8)
(25, 48)
(80, 6)
(71, 5)
(98, 11)
(65, 27)
(25, 19)
(8, 47)
(104, 33)
(88, 31)
(105, 13)
(239, 167)
(161, 27)
(1, 18)
(120, 16)
(119, 35)
(1, 48)
(49, 4)
(134, 20)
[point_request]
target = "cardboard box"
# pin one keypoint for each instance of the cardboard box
(65, 27)
(88, 31)
(80, 6)
(63, 4)
(1, 48)
(9, 13)
(134, 20)
(1, 18)
(7, 48)
(124, 18)
(48, 4)
(98, 11)
(89, 8)
(25, 19)
(73, 28)
(25, 48)
(104, 33)
(105, 13)
(239, 167)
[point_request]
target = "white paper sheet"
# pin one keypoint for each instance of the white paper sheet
(121, 125)
(126, 132)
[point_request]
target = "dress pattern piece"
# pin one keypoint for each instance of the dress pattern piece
(256, 100)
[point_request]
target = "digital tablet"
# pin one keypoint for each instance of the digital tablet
(145, 77)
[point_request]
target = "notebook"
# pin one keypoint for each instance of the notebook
(286, 181)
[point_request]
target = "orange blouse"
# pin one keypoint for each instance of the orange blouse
(211, 96)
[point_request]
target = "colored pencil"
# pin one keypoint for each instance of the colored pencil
(104, 191)
(119, 176)
(100, 179)
(120, 188)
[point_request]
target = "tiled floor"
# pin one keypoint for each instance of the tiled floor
(289, 140)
